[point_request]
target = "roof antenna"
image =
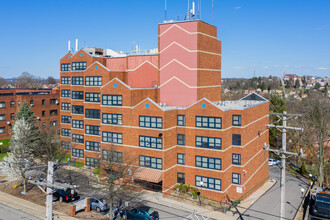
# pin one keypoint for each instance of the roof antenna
(200, 12)
(187, 16)
(165, 10)
(69, 46)
(192, 11)
(212, 12)
(197, 9)
(76, 45)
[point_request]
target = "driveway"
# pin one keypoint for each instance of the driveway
(268, 205)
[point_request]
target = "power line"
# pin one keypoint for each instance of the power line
(50, 186)
(282, 152)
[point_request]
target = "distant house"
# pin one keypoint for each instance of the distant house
(309, 152)
(226, 90)
(309, 85)
(290, 76)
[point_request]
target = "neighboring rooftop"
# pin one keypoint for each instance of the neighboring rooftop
(246, 102)
(108, 53)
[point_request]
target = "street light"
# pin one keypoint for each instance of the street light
(200, 197)
(311, 179)
(302, 190)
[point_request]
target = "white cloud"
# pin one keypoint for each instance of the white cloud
(238, 7)
(266, 67)
(321, 68)
(237, 67)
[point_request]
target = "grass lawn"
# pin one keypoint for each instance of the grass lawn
(5, 142)
(4, 147)
(3, 155)
(78, 164)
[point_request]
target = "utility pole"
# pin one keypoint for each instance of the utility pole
(50, 186)
(282, 152)
(49, 198)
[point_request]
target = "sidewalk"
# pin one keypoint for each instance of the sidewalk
(157, 198)
(30, 207)
(244, 205)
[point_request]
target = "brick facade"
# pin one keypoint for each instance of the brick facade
(44, 104)
(139, 83)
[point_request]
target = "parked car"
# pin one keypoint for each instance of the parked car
(272, 161)
(26, 162)
(321, 205)
(66, 195)
(141, 213)
(316, 190)
(98, 203)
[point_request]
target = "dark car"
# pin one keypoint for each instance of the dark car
(321, 205)
(142, 213)
(66, 195)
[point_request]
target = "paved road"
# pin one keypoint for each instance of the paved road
(9, 213)
(171, 213)
(268, 206)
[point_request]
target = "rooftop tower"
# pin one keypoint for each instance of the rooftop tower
(189, 62)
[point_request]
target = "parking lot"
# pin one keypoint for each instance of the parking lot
(87, 188)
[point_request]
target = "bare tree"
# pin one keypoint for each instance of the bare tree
(116, 174)
(3, 81)
(29, 80)
(316, 114)
(51, 80)
(47, 147)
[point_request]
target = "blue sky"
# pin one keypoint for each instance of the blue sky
(265, 37)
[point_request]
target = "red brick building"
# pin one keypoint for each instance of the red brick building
(165, 110)
(43, 102)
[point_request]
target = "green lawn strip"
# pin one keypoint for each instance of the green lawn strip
(5, 145)
(78, 164)
(3, 155)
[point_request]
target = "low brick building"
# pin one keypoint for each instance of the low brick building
(43, 102)
(165, 111)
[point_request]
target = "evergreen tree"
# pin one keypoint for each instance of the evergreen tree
(29, 117)
(26, 113)
(277, 105)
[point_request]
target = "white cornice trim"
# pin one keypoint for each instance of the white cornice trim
(175, 25)
(191, 51)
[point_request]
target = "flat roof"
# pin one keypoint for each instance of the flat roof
(251, 100)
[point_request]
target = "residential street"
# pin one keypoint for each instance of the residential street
(9, 213)
(259, 210)
(268, 206)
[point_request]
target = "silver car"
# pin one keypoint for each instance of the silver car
(99, 204)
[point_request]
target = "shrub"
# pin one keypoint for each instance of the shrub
(96, 170)
(302, 169)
